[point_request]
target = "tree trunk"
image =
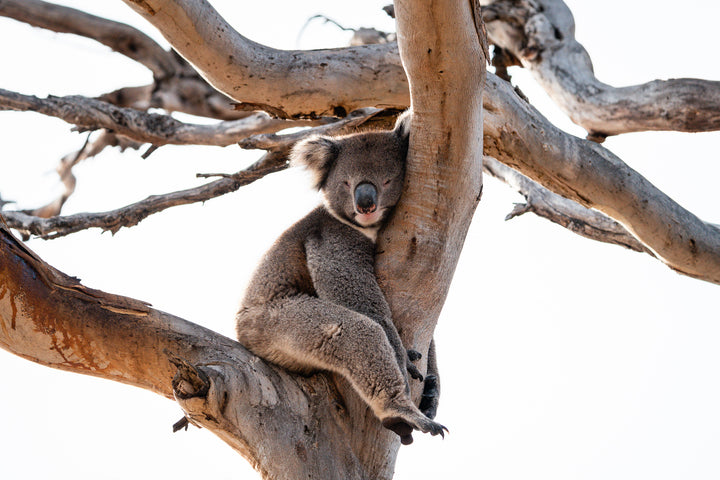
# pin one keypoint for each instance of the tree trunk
(287, 426)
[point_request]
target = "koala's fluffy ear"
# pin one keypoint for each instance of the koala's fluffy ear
(402, 125)
(317, 154)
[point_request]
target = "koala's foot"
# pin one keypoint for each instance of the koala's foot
(404, 422)
(430, 397)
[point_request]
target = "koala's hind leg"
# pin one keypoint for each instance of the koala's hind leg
(305, 333)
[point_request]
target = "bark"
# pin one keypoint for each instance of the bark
(288, 84)
(541, 34)
(443, 55)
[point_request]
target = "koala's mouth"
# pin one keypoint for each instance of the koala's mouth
(368, 219)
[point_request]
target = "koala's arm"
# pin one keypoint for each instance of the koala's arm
(431, 386)
(343, 272)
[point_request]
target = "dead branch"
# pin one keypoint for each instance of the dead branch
(278, 147)
(91, 114)
(566, 213)
(541, 34)
(118, 36)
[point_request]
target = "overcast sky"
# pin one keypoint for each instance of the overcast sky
(560, 358)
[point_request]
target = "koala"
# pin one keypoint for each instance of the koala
(314, 303)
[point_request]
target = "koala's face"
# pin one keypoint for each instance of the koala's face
(366, 179)
(360, 176)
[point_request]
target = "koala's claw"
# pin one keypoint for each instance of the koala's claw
(414, 355)
(414, 372)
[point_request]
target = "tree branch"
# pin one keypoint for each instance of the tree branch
(541, 34)
(133, 214)
(566, 213)
(295, 84)
(118, 36)
(278, 147)
(91, 114)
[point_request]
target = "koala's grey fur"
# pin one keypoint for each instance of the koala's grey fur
(314, 302)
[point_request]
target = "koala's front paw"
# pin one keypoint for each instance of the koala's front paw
(430, 397)
(414, 356)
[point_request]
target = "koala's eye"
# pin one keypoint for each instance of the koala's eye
(346, 184)
(387, 182)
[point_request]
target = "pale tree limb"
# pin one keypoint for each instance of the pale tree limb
(293, 84)
(517, 135)
(118, 36)
(541, 34)
(90, 114)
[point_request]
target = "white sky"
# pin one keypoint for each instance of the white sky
(561, 358)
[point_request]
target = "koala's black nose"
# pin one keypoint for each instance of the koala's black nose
(366, 197)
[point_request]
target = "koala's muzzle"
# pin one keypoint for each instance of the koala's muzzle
(366, 197)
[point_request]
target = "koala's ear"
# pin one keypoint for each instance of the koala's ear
(318, 154)
(402, 125)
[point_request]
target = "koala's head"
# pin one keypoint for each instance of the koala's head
(360, 175)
